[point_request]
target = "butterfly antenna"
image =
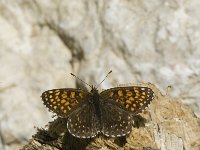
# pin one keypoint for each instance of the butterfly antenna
(80, 80)
(104, 78)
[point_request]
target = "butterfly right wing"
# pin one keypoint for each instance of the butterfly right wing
(116, 122)
(132, 99)
(64, 101)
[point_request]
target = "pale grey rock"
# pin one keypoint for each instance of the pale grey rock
(166, 141)
(41, 42)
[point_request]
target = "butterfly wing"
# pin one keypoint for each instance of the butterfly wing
(133, 99)
(115, 121)
(64, 101)
(83, 122)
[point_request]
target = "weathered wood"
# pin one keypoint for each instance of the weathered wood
(169, 125)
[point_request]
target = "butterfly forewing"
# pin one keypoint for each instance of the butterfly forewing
(115, 121)
(133, 98)
(83, 122)
(64, 101)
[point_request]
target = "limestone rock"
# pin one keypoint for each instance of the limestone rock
(41, 42)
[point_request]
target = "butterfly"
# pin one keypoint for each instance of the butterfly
(109, 112)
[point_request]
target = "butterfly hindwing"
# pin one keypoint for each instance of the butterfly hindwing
(83, 122)
(115, 122)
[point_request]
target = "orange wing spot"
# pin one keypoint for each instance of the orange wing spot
(143, 93)
(65, 111)
(134, 105)
(57, 93)
(120, 93)
(136, 97)
(54, 102)
(111, 94)
(141, 104)
(67, 103)
(143, 97)
(128, 102)
(131, 99)
(127, 105)
(81, 95)
(137, 94)
(132, 109)
(51, 100)
(54, 107)
(64, 95)
(129, 93)
(136, 91)
(63, 101)
(72, 95)
(69, 108)
(50, 96)
(117, 100)
(62, 107)
(58, 99)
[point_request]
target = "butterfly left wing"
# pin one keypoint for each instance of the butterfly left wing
(133, 98)
(64, 101)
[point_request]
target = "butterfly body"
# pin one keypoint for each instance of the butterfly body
(90, 113)
(96, 103)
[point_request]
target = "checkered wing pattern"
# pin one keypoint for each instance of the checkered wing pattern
(116, 122)
(83, 122)
(133, 99)
(64, 101)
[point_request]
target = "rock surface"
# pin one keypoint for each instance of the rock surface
(41, 42)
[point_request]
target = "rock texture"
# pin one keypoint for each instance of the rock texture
(41, 42)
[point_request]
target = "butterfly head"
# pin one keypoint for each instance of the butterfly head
(94, 90)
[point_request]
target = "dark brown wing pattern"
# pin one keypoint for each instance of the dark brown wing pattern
(133, 98)
(83, 122)
(115, 122)
(64, 101)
